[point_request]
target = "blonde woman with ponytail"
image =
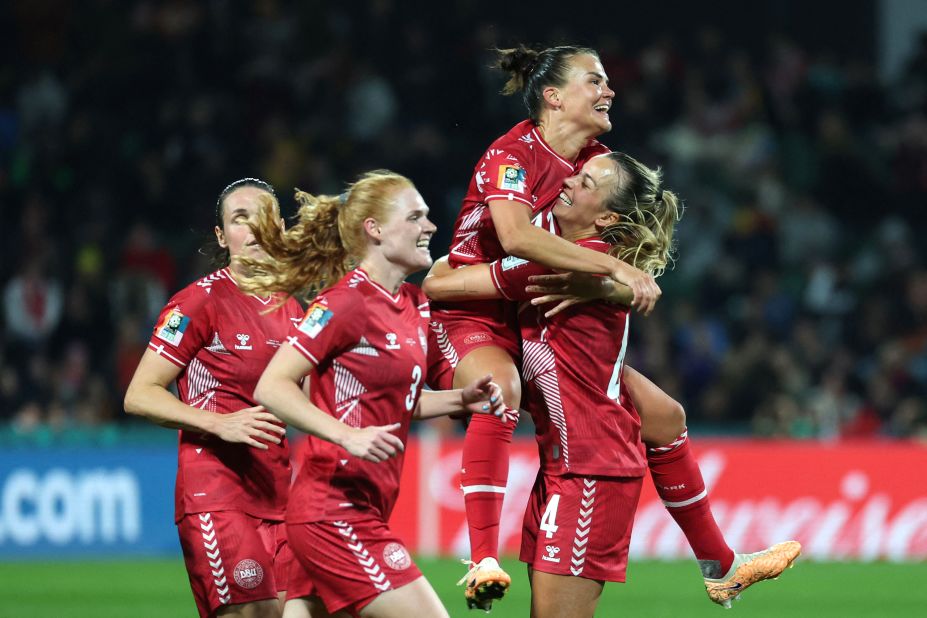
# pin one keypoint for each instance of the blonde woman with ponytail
(361, 348)
(568, 99)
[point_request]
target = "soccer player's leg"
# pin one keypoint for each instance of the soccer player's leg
(678, 480)
(230, 563)
(484, 473)
(416, 598)
(563, 596)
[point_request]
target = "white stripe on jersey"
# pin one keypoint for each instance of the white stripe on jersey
(201, 386)
(539, 366)
(348, 390)
(364, 348)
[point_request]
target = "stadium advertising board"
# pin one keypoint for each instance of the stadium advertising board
(58, 503)
(849, 501)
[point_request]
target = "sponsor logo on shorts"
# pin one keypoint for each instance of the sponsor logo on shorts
(396, 557)
(552, 551)
(477, 338)
(248, 574)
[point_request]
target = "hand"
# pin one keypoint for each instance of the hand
(249, 425)
(564, 301)
(374, 443)
(582, 285)
(646, 291)
(565, 289)
(483, 396)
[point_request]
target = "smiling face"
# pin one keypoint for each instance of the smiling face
(239, 208)
(405, 234)
(581, 203)
(586, 99)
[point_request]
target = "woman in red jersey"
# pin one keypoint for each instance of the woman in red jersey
(363, 342)
(578, 522)
(233, 472)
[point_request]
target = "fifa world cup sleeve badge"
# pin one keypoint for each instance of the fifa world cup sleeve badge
(172, 327)
(317, 318)
(511, 178)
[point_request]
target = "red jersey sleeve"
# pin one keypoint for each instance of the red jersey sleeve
(332, 324)
(510, 276)
(503, 176)
(183, 327)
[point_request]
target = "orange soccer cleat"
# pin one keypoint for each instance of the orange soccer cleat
(485, 582)
(749, 569)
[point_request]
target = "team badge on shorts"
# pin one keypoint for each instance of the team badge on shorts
(475, 338)
(248, 574)
(396, 557)
(317, 318)
(172, 327)
(512, 177)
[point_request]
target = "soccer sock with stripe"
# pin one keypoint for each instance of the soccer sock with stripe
(679, 484)
(483, 477)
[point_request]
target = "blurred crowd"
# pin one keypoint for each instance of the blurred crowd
(798, 303)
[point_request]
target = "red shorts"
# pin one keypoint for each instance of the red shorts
(347, 564)
(233, 558)
(580, 525)
(454, 334)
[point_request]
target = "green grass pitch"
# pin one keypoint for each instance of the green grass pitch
(148, 588)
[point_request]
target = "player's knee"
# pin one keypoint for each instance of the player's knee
(665, 427)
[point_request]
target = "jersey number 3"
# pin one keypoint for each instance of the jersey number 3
(413, 388)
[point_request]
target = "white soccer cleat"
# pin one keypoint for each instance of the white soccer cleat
(485, 582)
(748, 569)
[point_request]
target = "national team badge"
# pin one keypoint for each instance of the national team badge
(172, 327)
(248, 574)
(316, 319)
(396, 557)
(512, 178)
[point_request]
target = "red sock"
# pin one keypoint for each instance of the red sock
(679, 484)
(484, 473)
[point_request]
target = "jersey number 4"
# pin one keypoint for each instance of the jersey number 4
(549, 519)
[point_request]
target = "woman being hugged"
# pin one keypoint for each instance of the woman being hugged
(363, 344)
(233, 472)
(577, 526)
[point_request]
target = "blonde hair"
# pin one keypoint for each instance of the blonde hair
(643, 235)
(326, 242)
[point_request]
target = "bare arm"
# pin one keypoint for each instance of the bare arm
(482, 396)
(147, 396)
(519, 237)
(466, 283)
(280, 391)
(568, 289)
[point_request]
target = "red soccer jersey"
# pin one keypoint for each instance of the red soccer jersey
(519, 167)
(223, 341)
(368, 347)
(573, 362)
